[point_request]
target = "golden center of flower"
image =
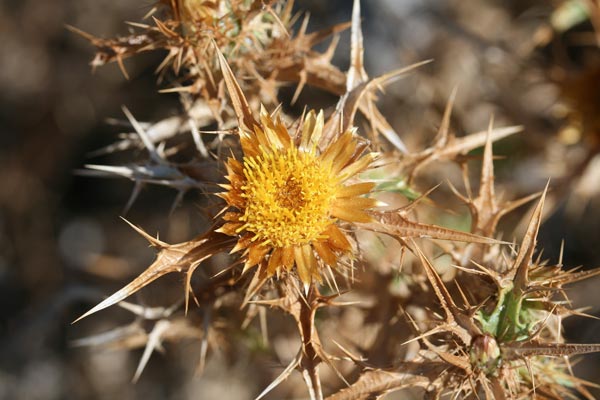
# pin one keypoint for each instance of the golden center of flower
(288, 197)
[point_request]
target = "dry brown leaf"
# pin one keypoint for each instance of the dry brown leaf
(170, 258)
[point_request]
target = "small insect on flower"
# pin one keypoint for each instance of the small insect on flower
(288, 196)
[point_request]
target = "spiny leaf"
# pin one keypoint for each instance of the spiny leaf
(238, 99)
(128, 336)
(154, 341)
(171, 258)
(529, 349)
(134, 336)
(356, 72)
(444, 131)
(453, 313)
(454, 147)
(572, 277)
(486, 203)
(283, 376)
(373, 383)
(485, 208)
(519, 271)
(358, 98)
(314, 38)
(467, 143)
(396, 225)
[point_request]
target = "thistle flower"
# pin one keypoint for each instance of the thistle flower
(289, 196)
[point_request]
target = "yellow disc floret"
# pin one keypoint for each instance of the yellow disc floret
(288, 197)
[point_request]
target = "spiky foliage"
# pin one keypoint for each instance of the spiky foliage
(302, 223)
(508, 345)
(256, 39)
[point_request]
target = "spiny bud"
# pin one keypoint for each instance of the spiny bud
(485, 354)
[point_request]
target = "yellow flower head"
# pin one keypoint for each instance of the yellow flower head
(288, 194)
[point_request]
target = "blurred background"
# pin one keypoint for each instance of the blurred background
(62, 243)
